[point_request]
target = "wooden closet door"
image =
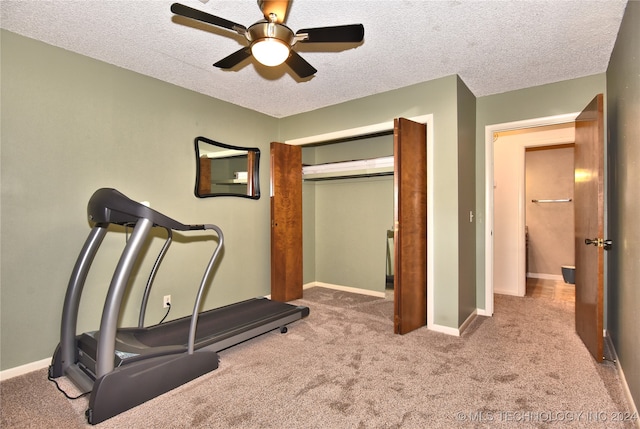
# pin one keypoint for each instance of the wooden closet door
(410, 225)
(286, 222)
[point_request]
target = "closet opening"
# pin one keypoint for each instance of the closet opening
(414, 138)
(347, 203)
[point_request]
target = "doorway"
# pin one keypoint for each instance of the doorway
(510, 276)
(549, 211)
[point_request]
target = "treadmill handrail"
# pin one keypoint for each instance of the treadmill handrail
(203, 282)
(72, 300)
(152, 276)
(113, 301)
(108, 324)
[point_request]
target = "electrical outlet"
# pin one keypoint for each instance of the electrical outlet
(166, 301)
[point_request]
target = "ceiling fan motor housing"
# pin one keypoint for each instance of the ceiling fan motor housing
(269, 30)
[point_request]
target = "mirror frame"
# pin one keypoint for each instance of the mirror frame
(253, 176)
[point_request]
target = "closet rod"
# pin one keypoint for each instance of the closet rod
(566, 200)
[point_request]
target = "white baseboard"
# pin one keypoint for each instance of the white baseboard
(467, 322)
(346, 289)
(623, 379)
(545, 276)
(444, 329)
(456, 332)
(505, 292)
(24, 369)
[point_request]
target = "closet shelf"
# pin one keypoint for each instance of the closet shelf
(231, 182)
(382, 166)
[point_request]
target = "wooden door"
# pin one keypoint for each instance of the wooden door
(589, 225)
(410, 225)
(286, 222)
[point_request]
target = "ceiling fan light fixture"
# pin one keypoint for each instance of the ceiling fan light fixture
(270, 42)
(270, 51)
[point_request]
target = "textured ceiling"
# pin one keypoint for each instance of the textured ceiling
(495, 46)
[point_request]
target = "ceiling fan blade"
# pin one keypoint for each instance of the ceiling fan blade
(299, 65)
(277, 7)
(198, 15)
(337, 34)
(236, 58)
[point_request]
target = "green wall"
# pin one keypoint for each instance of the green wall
(623, 107)
(71, 125)
(466, 202)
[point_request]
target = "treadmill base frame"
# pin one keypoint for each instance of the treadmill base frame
(131, 385)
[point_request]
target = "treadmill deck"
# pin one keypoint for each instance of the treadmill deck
(217, 330)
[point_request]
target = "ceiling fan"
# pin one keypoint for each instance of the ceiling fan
(270, 41)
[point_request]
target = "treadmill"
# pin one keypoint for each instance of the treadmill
(124, 367)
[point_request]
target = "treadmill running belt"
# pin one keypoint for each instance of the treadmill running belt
(216, 322)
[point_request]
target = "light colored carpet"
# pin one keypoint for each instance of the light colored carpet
(342, 367)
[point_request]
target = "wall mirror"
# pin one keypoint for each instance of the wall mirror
(226, 170)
